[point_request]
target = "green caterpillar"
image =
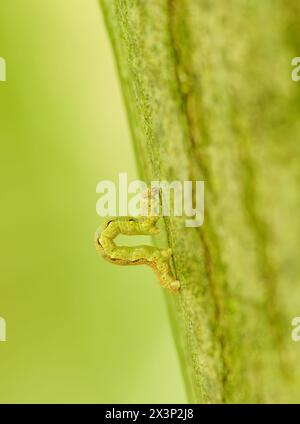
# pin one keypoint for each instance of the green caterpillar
(157, 258)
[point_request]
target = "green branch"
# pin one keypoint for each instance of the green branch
(209, 97)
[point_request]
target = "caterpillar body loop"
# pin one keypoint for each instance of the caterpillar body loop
(152, 256)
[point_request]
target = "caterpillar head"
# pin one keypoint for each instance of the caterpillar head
(98, 245)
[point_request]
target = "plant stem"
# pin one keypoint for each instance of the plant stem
(204, 103)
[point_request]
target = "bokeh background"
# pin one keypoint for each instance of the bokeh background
(78, 328)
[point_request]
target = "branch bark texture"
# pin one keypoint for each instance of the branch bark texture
(209, 97)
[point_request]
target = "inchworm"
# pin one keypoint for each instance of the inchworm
(157, 258)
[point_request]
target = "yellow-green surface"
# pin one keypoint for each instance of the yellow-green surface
(210, 96)
(78, 329)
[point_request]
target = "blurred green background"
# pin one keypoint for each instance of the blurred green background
(78, 328)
